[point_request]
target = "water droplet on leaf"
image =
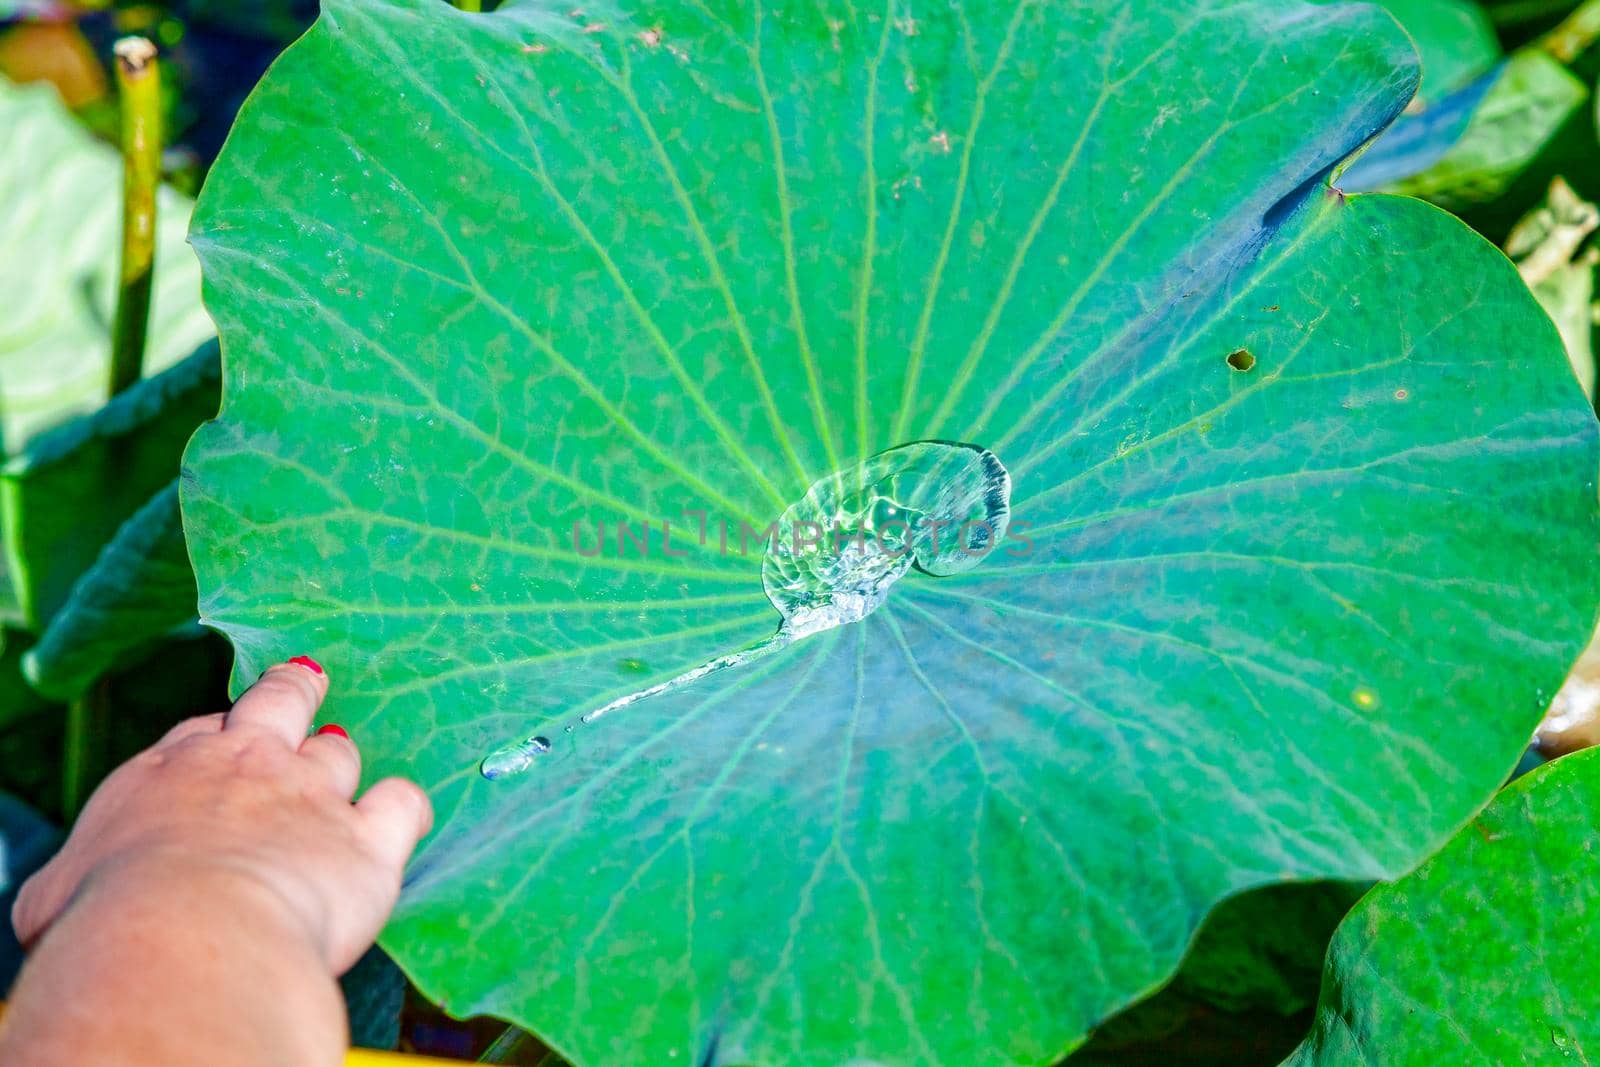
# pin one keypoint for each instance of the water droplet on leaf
(513, 759)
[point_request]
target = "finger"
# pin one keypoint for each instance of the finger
(398, 815)
(337, 758)
(41, 898)
(35, 907)
(282, 702)
(196, 727)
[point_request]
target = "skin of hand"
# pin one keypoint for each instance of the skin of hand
(211, 890)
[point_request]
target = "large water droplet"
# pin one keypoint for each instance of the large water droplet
(834, 554)
(934, 505)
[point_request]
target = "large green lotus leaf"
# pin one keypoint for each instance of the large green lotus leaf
(1484, 954)
(60, 231)
(1269, 608)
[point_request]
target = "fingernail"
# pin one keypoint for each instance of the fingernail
(331, 728)
(307, 662)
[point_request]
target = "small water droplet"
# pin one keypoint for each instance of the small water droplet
(513, 759)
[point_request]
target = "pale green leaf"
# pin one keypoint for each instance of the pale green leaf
(60, 229)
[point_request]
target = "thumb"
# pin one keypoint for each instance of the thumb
(397, 815)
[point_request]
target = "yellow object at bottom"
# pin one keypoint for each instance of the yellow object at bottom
(365, 1057)
(362, 1057)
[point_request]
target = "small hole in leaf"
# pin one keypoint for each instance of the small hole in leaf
(541, 744)
(1240, 359)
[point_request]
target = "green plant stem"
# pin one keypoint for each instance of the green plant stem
(516, 1047)
(139, 90)
(469, 5)
(1576, 33)
(84, 758)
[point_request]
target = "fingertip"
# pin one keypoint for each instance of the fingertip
(28, 919)
(291, 676)
(331, 749)
(283, 700)
(427, 812)
(417, 799)
(400, 814)
(21, 926)
(303, 667)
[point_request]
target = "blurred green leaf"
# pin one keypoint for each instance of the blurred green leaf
(374, 994)
(1550, 249)
(17, 9)
(71, 490)
(1459, 51)
(1483, 955)
(1522, 113)
(60, 230)
(1454, 39)
(18, 700)
(138, 591)
(1520, 20)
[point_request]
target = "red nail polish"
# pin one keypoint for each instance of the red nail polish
(330, 728)
(307, 662)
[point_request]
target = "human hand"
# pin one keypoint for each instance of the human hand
(242, 810)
